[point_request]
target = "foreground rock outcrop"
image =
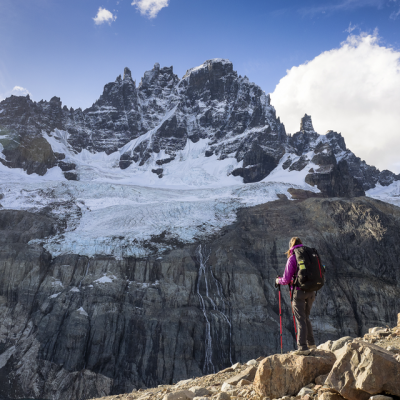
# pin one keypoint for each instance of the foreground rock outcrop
(286, 374)
(363, 370)
(295, 377)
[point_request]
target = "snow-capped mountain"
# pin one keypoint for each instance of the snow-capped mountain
(147, 126)
(171, 159)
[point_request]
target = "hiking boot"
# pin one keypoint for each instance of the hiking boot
(302, 352)
(312, 346)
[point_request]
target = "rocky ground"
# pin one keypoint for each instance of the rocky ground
(348, 368)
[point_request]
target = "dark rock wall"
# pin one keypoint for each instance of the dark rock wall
(65, 334)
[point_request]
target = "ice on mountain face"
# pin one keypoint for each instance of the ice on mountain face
(55, 295)
(117, 212)
(389, 194)
(105, 279)
(82, 312)
(280, 174)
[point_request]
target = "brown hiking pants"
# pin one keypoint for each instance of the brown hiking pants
(302, 303)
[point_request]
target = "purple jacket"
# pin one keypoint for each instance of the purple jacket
(291, 268)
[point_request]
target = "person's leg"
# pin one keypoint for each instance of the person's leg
(310, 297)
(299, 308)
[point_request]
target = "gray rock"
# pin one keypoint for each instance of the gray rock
(338, 344)
(223, 396)
(304, 391)
(227, 387)
(179, 395)
(248, 374)
(200, 391)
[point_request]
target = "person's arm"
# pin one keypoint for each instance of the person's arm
(290, 271)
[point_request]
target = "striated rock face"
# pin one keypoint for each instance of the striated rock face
(73, 326)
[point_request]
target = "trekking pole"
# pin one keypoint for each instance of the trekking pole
(291, 303)
(280, 312)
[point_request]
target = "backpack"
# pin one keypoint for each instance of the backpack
(310, 275)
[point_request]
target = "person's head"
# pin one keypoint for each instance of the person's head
(293, 242)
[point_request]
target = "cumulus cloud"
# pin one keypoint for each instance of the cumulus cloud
(353, 89)
(104, 16)
(150, 8)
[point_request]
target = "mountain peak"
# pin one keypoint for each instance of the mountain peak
(306, 124)
(127, 73)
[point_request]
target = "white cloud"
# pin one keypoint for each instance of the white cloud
(19, 91)
(150, 8)
(16, 91)
(353, 90)
(103, 16)
(351, 28)
(395, 14)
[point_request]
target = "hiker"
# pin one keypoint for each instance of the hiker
(302, 299)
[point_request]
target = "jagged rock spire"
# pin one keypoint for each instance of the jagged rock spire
(306, 124)
(127, 73)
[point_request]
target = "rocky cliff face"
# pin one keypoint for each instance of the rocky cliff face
(150, 124)
(77, 327)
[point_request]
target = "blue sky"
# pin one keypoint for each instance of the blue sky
(56, 48)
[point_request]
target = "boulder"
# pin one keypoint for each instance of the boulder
(375, 329)
(326, 346)
(364, 370)
(251, 362)
(200, 391)
(286, 374)
(179, 395)
(236, 366)
(223, 396)
(248, 374)
(338, 344)
(226, 386)
(243, 382)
